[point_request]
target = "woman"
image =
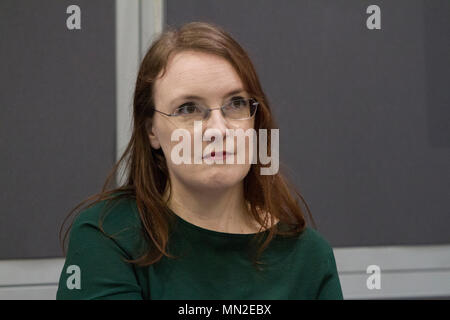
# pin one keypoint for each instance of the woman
(196, 230)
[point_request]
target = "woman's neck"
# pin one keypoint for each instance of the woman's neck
(222, 210)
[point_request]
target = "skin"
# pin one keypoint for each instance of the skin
(209, 196)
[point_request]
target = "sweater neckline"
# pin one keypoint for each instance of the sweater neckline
(213, 233)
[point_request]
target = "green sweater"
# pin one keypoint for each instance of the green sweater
(209, 264)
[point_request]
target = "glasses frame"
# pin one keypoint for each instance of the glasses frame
(207, 112)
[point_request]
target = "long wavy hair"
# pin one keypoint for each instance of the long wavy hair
(146, 169)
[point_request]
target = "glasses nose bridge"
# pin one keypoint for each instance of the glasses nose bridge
(208, 112)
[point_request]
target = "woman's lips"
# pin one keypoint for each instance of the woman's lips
(218, 155)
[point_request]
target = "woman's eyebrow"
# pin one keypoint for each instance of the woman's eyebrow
(235, 91)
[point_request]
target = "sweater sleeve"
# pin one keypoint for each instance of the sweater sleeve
(330, 287)
(94, 267)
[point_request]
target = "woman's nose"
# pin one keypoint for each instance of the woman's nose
(217, 121)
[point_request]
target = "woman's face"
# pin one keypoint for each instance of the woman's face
(211, 78)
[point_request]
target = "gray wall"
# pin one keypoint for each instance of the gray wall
(363, 114)
(57, 118)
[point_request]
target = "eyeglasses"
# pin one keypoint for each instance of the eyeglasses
(235, 109)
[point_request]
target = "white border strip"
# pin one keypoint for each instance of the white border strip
(26, 272)
(394, 258)
(407, 272)
(151, 22)
(127, 63)
(137, 24)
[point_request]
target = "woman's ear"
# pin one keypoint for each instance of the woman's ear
(154, 142)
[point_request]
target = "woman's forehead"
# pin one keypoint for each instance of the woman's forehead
(199, 74)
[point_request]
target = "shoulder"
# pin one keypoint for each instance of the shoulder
(97, 263)
(111, 214)
(116, 219)
(321, 264)
(313, 244)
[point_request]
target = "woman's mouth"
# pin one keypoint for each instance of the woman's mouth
(217, 155)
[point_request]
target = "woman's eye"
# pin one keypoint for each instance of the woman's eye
(187, 108)
(238, 102)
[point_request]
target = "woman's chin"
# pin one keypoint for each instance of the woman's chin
(218, 177)
(208, 177)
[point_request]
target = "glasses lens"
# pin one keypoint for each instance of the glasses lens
(239, 109)
(236, 109)
(186, 114)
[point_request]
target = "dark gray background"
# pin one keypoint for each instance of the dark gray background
(57, 118)
(363, 114)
